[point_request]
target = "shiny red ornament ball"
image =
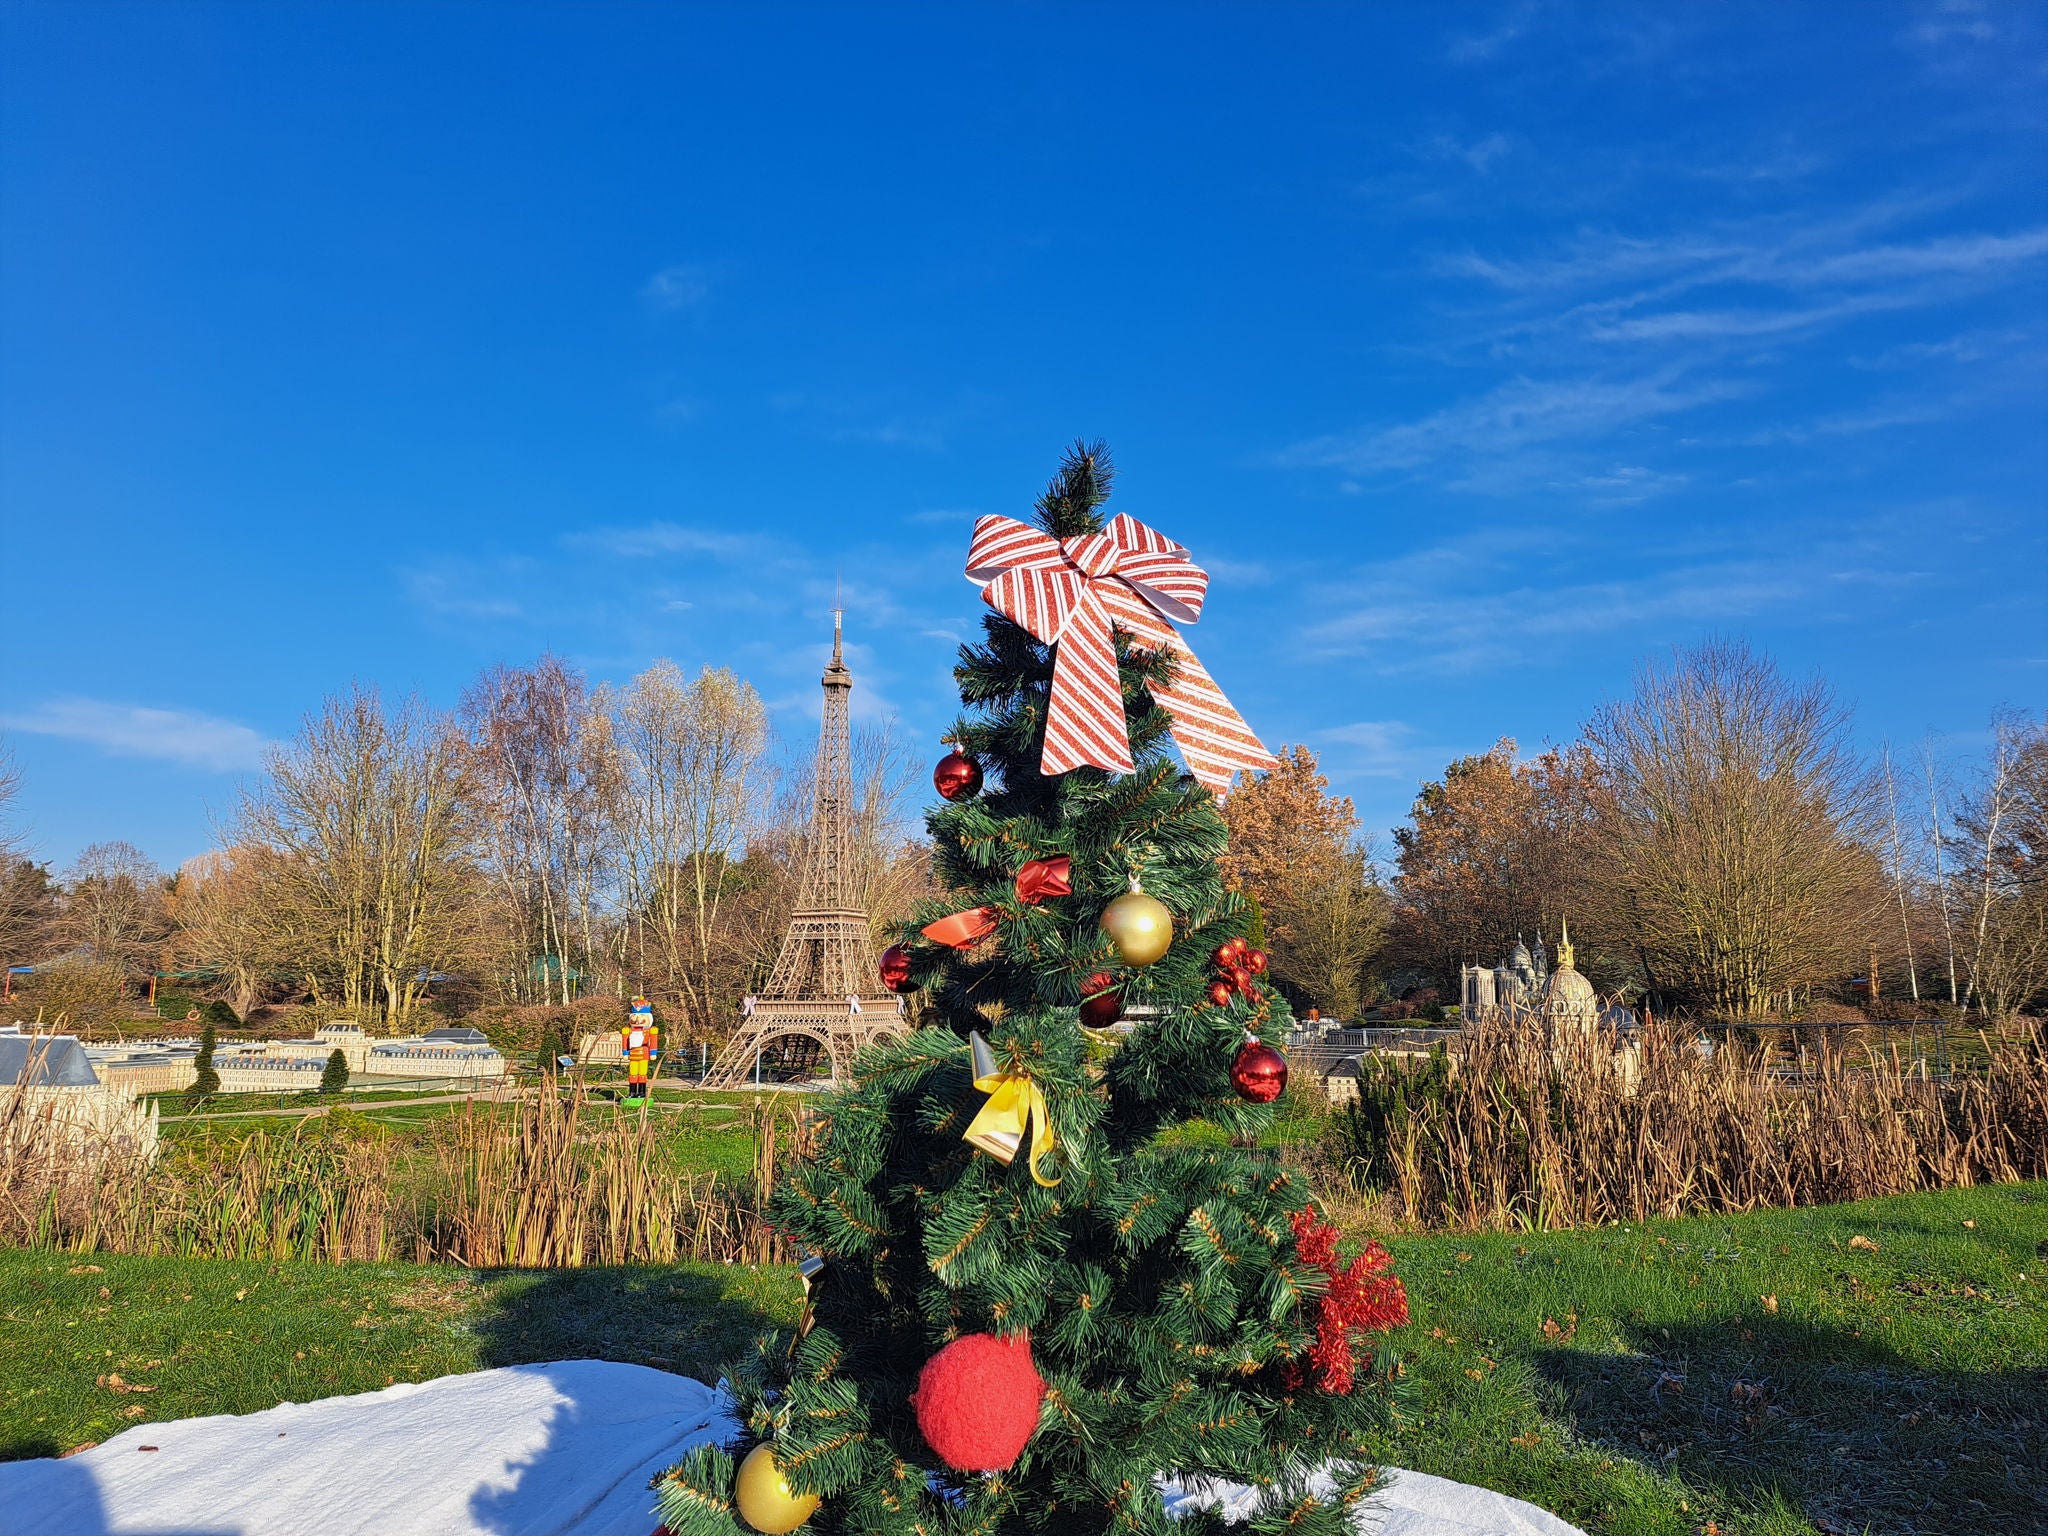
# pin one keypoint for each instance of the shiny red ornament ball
(1239, 947)
(957, 776)
(977, 1401)
(1241, 979)
(1102, 1004)
(895, 968)
(1221, 992)
(1258, 1072)
(1255, 961)
(1225, 956)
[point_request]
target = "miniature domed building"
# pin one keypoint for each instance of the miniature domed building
(1569, 1001)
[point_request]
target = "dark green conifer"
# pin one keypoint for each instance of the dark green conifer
(205, 1080)
(1168, 1305)
(334, 1077)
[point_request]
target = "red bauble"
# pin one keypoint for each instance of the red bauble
(895, 968)
(1221, 992)
(1258, 1073)
(1239, 948)
(1241, 979)
(1225, 956)
(1102, 1004)
(1255, 961)
(957, 776)
(977, 1401)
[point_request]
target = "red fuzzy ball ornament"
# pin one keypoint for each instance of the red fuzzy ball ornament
(957, 776)
(1225, 956)
(1258, 1072)
(977, 1401)
(1221, 992)
(1102, 1004)
(1255, 961)
(895, 968)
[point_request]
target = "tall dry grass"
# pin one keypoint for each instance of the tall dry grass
(1512, 1129)
(542, 1180)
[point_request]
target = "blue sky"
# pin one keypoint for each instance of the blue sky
(1479, 352)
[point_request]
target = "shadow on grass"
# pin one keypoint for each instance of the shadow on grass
(692, 1321)
(1833, 1424)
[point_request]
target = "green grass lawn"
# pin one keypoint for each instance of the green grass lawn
(199, 1336)
(1633, 1380)
(1756, 1372)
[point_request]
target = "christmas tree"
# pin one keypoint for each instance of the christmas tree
(1049, 1264)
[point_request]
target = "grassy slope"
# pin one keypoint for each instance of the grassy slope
(1901, 1390)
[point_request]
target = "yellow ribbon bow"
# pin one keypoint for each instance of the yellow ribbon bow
(1012, 1099)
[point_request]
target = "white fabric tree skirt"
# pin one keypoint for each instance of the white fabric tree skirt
(540, 1450)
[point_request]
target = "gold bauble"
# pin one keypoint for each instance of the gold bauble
(1140, 927)
(763, 1495)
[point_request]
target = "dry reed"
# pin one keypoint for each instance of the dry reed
(1513, 1129)
(530, 1180)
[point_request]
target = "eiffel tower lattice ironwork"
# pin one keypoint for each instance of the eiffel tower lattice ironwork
(825, 986)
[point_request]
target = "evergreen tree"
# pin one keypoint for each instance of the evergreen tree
(334, 1077)
(1181, 1303)
(205, 1080)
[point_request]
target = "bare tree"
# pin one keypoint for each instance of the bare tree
(28, 899)
(2006, 819)
(229, 921)
(1896, 849)
(695, 783)
(1937, 840)
(113, 907)
(541, 773)
(1742, 828)
(362, 818)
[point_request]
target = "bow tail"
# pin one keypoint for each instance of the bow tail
(1085, 723)
(1209, 731)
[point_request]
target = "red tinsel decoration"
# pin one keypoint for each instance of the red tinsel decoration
(1367, 1296)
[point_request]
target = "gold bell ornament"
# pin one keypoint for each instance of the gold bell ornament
(1015, 1108)
(763, 1495)
(1140, 927)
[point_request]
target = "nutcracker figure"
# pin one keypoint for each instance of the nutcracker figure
(640, 1044)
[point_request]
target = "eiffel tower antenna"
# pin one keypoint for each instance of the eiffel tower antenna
(825, 986)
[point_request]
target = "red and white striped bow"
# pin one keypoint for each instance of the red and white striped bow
(1067, 593)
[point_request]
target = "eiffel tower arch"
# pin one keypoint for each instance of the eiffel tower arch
(825, 986)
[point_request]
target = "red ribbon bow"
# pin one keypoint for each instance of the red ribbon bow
(1068, 593)
(1035, 881)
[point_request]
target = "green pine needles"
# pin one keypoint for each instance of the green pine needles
(1167, 1303)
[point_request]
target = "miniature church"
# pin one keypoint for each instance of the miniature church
(1523, 985)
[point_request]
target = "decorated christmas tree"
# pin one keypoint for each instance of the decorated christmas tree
(1048, 1264)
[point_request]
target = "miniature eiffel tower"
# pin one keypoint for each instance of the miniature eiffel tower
(825, 986)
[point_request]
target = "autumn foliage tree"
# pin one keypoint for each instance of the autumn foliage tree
(1497, 847)
(1294, 849)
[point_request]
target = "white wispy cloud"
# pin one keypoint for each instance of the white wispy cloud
(678, 287)
(1516, 415)
(138, 730)
(459, 595)
(663, 538)
(1614, 334)
(1376, 749)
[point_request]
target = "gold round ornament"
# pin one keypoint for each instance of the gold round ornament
(763, 1495)
(1139, 926)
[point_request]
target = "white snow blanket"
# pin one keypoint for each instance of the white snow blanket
(538, 1450)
